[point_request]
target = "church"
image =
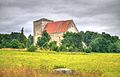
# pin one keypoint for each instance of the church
(55, 29)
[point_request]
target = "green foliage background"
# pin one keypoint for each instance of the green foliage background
(95, 42)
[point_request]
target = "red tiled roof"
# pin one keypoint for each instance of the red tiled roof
(58, 26)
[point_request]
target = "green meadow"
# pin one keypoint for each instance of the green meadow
(41, 63)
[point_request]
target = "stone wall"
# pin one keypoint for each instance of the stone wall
(39, 27)
(57, 37)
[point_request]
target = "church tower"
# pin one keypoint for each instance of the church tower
(39, 27)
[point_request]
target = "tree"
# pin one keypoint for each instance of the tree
(115, 47)
(19, 35)
(100, 44)
(72, 41)
(16, 44)
(22, 31)
(23, 38)
(5, 43)
(89, 36)
(5, 39)
(44, 40)
(30, 40)
(114, 39)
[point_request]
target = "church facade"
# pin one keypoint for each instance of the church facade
(55, 29)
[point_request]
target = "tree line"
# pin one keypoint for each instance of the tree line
(83, 41)
(15, 40)
(73, 42)
(95, 42)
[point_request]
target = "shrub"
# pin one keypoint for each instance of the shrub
(15, 43)
(62, 48)
(21, 45)
(32, 48)
(87, 50)
(71, 49)
(53, 46)
(44, 40)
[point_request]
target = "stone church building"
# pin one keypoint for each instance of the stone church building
(55, 29)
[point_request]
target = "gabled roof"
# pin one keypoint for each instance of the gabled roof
(57, 26)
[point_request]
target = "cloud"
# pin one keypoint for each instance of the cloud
(93, 15)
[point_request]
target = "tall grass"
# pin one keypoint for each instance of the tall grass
(40, 64)
(26, 72)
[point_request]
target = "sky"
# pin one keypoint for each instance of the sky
(88, 15)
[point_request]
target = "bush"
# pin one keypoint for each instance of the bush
(32, 48)
(53, 46)
(71, 49)
(62, 48)
(21, 45)
(15, 43)
(44, 40)
(87, 50)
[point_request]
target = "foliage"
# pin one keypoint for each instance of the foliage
(95, 42)
(30, 40)
(113, 39)
(115, 47)
(100, 44)
(21, 45)
(16, 44)
(32, 48)
(53, 46)
(20, 36)
(44, 40)
(0, 46)
(72, 41)
(89, 36)
(87, 50)
(5, 39)
(62, 48)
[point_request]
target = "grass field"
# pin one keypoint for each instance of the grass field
(16, 63)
